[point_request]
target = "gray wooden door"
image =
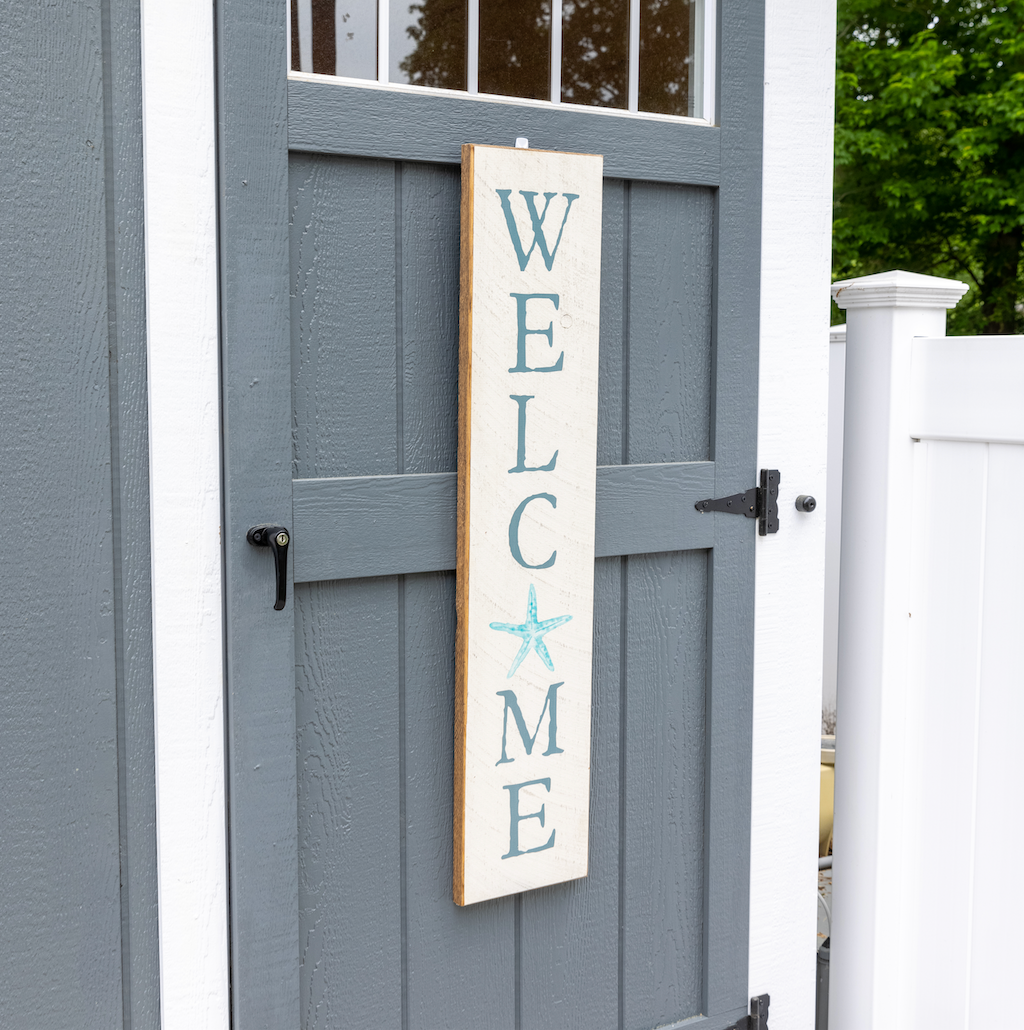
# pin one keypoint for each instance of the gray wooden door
(340, 262)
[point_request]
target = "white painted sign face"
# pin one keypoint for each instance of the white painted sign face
(530, 297)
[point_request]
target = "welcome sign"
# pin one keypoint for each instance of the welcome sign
(530, 298)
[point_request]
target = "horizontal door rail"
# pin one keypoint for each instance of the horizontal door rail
(392, 525)
(368, 121)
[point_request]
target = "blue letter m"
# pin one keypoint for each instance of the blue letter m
(537, 221)
(512, 705)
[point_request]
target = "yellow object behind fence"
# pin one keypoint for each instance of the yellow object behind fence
(826, 805)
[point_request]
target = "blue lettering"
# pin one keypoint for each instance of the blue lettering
(521, 465)
(523, 332)
(515, 818)
(512, 705)
(513, 532)
(537, 221)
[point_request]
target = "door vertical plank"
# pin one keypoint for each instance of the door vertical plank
(348, 681)
(460, 960)
(347, 741)
(734, 450)
(252, 114)
(430, 316)
(614, 296)
(670, 283)
(664, 791)
(570, 932)
(343, 331)
(670, 311)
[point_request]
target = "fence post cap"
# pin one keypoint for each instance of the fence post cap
(898, 289)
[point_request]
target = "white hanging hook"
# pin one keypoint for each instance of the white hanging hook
(522, 143)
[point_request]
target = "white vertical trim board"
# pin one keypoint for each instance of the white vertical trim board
(184, 434)
(789, 584)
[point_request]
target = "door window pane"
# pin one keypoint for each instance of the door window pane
(335, 37)
(428, 43)
(636, 55)
(667, 80)
(595, 52)
(515, 48)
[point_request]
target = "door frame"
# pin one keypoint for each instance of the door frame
(799, 61)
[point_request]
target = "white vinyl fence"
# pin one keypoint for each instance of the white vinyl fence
(927, 907)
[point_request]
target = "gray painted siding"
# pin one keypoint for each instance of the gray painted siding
(78, 929)
(374, 248)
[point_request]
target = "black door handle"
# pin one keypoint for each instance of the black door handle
(277, 539)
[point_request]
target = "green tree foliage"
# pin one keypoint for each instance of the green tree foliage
(930, 148)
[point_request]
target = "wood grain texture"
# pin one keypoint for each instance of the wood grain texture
(343, 315)
(671, 274)
(663, 846)
(339, 118)
(133, 641)
(549, 508)
(430, 317)
(348, 803)
(60, 871)
(570, 932)
(462, 523)
(388, 444)
(253, 212)
(736, 307)
(389, 525)
(460, 960)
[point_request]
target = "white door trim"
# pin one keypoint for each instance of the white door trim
(792, 431)
(179, 138)
(185, 448)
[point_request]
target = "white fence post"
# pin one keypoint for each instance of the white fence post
(833, 514)
(884, 313)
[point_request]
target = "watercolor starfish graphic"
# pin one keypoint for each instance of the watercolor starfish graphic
(532, 633)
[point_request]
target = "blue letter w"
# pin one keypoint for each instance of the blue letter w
(537, 221)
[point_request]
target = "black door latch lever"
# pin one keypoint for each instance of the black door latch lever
(277, 539)
(759, 502)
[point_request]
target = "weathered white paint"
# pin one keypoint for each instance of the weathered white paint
(527, 483)
(833, 511)
(184, 428)
(792, 418)
(873, 852)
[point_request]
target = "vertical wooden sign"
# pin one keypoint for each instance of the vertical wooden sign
(530, 298)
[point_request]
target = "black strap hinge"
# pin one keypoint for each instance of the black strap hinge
(759, 502)
(758, 1018)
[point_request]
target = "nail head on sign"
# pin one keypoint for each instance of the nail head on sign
(522, 143)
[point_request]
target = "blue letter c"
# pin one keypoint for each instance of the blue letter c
(513, 532)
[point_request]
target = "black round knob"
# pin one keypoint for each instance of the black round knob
(805, 502)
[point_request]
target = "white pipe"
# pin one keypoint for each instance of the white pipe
(383, 39)
(556, 51)
(305, 35)
(709, 62)
(633, 85)
(473, 47)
